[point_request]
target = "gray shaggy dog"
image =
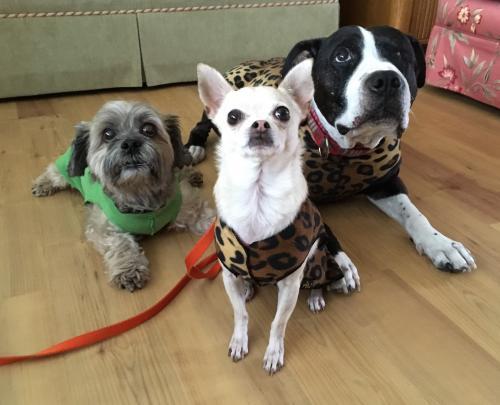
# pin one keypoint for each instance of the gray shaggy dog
(136, 154)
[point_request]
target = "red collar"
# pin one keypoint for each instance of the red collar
(326, 144)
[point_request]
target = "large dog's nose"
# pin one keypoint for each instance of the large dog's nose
(260, 126)
(131, 145)
(384, 83)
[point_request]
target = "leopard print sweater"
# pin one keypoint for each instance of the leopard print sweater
(272, 259)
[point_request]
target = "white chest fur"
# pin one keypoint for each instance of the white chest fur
(259, 199)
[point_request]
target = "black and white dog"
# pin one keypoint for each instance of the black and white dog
(365, 81)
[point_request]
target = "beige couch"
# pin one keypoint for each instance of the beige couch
(68, 45)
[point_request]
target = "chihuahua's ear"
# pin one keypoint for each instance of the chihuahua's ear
(181, 156)
(299, 84)
(80, 145)
(212, 88)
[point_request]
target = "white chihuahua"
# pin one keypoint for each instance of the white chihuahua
(268, 231)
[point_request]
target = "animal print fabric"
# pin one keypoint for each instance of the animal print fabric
(270, 260)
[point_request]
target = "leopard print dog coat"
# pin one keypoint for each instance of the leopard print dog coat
(335, 173)
(270, 260)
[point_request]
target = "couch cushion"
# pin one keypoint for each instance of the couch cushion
(57, 54)
(172, 43)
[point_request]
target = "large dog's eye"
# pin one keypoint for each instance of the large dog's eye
(108, 134)
(234, 116)
(148, 130)
(342, 55)
(282, 113)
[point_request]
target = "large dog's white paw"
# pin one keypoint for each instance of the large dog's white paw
(274, 359)
(198, 154)
(445, 253)
(351, 280)
(316, 302)
(238, 346)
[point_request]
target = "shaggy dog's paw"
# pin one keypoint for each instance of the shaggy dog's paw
(43, 188)
(274, 359)
(238, 347)
(447, 254)
(133, 279)
(351, 280)
(198, 154)
(195, 179)
(316, 302)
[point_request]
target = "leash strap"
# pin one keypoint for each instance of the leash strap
(194, 271)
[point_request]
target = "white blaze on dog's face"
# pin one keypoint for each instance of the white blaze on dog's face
(374, 78)
(258, 122)
(365, 82)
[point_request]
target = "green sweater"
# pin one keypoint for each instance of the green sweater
(147, 223)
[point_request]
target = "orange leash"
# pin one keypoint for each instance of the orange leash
(194, 271)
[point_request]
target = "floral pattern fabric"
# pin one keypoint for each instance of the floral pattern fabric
(464, 49)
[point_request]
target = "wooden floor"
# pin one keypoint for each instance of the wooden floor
(413, 335)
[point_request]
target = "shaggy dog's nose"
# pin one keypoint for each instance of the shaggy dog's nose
(131, 145)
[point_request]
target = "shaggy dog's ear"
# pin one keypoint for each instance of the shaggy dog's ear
(80, 145)
(181, 156)
(300, 52)
(420, 60)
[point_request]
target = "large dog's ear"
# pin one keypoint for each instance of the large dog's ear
(420, 60)
(212, 88)
(299, 84)
(80, 145)
(300, 52)
(181, 156)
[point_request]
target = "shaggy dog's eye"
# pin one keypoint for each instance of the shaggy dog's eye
(234, 116)
(342, 55)
(108, 134)
(148, 130)
(282, 113)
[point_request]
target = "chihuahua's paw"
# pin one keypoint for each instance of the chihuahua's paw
(274, 359)
(133, 279)
(316, 302)
(198, 154)
(238, 346)
(351, 280)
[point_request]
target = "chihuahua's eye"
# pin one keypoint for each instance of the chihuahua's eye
(282, 113)
(108, 134)
(148, 130)
(234, 116)
(342, 55)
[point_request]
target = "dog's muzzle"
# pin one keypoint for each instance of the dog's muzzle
(260, 135)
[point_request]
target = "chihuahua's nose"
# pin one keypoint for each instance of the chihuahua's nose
(261, 126)
(131, 145)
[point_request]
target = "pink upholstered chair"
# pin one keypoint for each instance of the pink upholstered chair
(463, 54)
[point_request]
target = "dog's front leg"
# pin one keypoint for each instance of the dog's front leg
(49, 182)
(445, 253)
(237, 291)
(288, 293)
(126, 264)
(195, 214)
